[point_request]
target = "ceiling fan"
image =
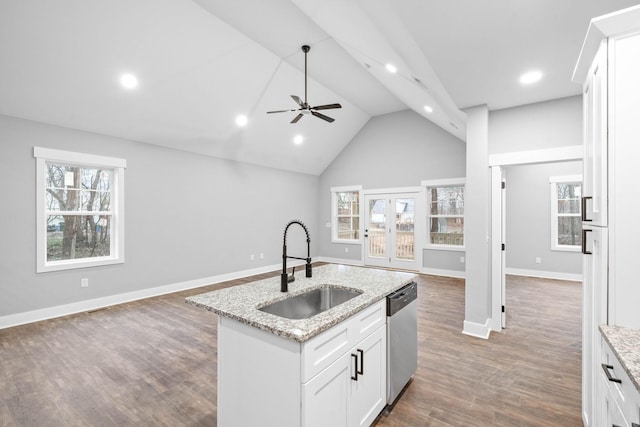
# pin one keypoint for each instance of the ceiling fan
(305, 109)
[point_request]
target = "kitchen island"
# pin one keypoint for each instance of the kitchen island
(329, 369)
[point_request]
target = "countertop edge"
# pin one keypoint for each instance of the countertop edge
(623, 357)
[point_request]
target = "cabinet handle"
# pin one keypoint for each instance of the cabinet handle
(584, 241)
(583, 214)
(361, 371)
(606, 368)
(355, 366)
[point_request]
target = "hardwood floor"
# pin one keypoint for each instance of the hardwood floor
(153, 362)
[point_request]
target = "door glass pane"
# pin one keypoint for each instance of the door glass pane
(377, 228)
(405, 229)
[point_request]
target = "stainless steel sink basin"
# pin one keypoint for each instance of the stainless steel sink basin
(311, 302)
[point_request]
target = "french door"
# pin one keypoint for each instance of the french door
(391, 231)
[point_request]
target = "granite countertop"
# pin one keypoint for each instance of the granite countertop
(625, 343)
(241, 302)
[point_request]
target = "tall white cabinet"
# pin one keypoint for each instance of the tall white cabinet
(609, 69)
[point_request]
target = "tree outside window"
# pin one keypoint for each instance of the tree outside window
(446, 215)
(80, 210)
(346, 214)
(566, 226)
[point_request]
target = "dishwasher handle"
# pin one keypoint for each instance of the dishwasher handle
(401, 298)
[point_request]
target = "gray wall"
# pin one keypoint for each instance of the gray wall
(528, 225)
(187, 217)
(394, 150)
(539, 126)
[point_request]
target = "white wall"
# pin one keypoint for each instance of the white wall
(528, 224)
(187, 217)
(394, 150)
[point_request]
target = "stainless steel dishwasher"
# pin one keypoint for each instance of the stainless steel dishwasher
(402, 339)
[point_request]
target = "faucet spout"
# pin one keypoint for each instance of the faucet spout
(284, 277)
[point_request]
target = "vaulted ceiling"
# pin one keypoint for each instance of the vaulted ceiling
(200, 63)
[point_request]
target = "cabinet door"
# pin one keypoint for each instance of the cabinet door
(368, 394)
(324, 398)
(624, 203)
(594, 311)
(594, 190)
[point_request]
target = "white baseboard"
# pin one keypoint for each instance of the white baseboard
(96, 303)
(476, 329)
(445, 273)
(544, 274)
(355, 262)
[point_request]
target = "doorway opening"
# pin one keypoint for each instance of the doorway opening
(521, 223)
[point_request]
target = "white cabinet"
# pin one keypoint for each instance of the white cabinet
(368, 391)
(618, 402)
(594, 183)
(325, 397)
(351, 391)
(336, 378)
(595, 270)
(608, 68)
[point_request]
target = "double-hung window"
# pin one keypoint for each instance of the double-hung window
(566, 227)
(345, 214)
(80, 210)
(445, 218)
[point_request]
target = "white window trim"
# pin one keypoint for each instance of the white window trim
(43, 155)
(553, 193)
(447, 182)
(334, 217)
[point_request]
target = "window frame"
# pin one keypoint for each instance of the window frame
(44, 155)
(436, 183)
(334, 213)
(554, 215)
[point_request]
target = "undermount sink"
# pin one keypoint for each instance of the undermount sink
(311, 302)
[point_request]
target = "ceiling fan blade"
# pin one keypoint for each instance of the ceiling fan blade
(298, 117)
(326, 107)
(298, 100)
(280, 111)
(322, 116)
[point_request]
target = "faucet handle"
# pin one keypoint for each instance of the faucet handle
(292, 277)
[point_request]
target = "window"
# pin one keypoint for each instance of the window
(445, 218)
(80, 210)
(345, 208)
(566, 227)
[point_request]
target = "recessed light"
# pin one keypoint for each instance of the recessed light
(391, 68)
(129, 81)
(530, 77)
(241, 120)
(298, 139)
(428, 109)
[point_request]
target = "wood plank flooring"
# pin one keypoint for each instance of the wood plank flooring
(153, 363)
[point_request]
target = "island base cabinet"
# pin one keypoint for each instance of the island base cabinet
(324, 398)
(351, 391)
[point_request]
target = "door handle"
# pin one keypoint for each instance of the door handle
(583, 212)
(361, 371)
(355, 366)
(584, 241)
(606, 369)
